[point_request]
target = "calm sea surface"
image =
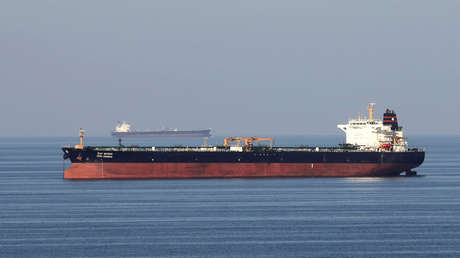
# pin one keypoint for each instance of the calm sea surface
(43, 215)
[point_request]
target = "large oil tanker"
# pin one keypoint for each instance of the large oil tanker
(372, 148)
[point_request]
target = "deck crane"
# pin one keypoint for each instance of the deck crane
(247, 140)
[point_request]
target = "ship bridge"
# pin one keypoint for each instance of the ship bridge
(373, 133)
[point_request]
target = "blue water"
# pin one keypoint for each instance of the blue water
(43, 215)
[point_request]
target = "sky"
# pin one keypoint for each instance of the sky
(246, 68)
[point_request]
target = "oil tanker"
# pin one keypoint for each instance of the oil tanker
(373, 148)
(123, 130)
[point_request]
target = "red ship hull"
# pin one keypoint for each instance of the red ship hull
(101, 170)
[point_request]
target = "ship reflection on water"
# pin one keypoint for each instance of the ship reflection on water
(367, 179)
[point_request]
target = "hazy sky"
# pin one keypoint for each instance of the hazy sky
(239, 67)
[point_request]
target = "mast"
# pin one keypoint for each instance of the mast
(82, 133)
(370, 109)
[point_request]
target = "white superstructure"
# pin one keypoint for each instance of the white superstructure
(374, 134)
(123, 127)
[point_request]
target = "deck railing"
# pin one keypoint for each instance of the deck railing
(227, 149)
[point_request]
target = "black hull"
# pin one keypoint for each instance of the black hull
(88, 154)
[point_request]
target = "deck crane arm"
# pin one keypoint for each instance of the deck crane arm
(233, 139)
(256, 139)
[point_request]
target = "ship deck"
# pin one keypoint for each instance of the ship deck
(229, 149)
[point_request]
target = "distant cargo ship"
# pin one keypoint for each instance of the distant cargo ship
(372, 148)
(123, 130)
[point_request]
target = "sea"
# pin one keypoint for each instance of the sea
(44, 215)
